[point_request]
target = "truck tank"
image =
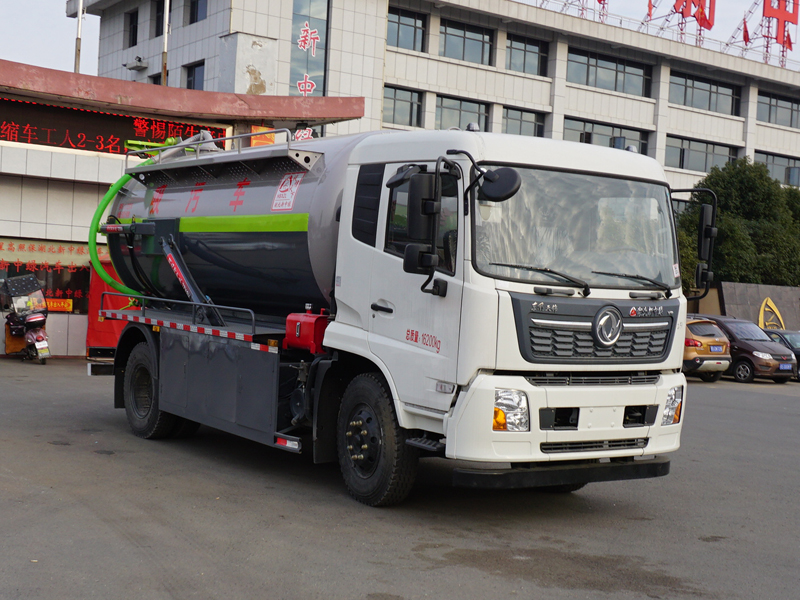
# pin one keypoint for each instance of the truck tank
(255, 228)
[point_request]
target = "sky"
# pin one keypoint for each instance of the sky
(38, 32)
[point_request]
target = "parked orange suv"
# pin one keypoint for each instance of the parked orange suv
(707, 350)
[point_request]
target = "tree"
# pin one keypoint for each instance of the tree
(758, 224)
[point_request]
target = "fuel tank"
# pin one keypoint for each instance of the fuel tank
(257, 227)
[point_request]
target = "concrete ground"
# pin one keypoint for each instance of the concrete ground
(87, 510)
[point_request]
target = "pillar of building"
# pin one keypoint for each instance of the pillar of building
(657, 146)
(749, 110)
(557, 71)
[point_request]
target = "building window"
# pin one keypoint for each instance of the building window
(778, 165)
(197, 10)
(132, 28)
(195, 76)
(703, 94)
(465, 42)
(157, 10)
(601, 134)
(699, 156)
(526, 55)
(309, 48)
(778, 110)
(454, 112)
(156, 79)
(523, 122)
(608, 73)
(402, 107)
(405, 29)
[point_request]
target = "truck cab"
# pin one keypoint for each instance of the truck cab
(555, 340)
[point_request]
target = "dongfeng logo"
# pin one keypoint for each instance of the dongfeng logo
(607, 327)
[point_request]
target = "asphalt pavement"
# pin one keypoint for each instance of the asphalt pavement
(88, 510)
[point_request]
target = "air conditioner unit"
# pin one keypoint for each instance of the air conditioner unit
(137, 64)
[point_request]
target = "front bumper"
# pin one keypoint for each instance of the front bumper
(601, 431)
(553, 474)
(772, 368)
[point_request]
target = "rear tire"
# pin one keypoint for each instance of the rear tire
(710, 377)
(377, 465)
(140, 393)
(743, 372)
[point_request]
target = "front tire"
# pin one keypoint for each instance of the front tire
(141, 396)
(377, 465)
(743, 372)
(710, 377)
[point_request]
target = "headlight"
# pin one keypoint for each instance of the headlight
(672, 409)
(511, 411)
(763, 355)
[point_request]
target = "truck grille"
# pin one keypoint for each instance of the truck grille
(566, 343)
(596, 379)
(592, 446)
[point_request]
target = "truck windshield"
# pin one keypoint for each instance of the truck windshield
(591, 228)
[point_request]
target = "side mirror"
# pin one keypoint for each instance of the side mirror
(702, 275)
(500, 184)
(706, 232)
(422, 206)
(419, 260)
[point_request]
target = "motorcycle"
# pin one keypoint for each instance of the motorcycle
(26, 318)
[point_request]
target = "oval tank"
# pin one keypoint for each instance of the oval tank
(255, 228)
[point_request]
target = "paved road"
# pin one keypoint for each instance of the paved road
(87, 510)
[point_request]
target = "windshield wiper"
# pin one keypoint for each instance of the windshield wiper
(579, 282)
(661, 286)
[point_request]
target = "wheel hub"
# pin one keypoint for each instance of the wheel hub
(363, 435)
(142, 392)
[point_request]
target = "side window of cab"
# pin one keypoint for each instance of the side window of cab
(397, 226)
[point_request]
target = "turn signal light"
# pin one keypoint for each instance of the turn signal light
(499, 422)
(693, 343)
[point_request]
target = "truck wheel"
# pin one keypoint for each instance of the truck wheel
(743, 372)
(710, 377)
(141, 396)
(377, 465)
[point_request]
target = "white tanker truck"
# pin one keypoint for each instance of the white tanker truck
(514, 302)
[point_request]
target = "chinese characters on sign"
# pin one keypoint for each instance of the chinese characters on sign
(61, 267)
(307, 61)
(702, 10)
(32, 123)
(306, 86)
(308, 39)
(782, 15)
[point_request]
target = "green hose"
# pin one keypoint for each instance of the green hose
(98, 267)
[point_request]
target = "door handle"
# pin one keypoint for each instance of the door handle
(379, 308)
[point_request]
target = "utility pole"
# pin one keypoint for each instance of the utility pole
(78, 39)
(164, 51)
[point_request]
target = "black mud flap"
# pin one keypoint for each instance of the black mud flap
(550, 475)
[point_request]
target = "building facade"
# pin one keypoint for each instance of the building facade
(509, 66)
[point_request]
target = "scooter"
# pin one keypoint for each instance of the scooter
(26, 318)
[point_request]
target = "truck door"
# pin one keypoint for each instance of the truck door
(416, 334)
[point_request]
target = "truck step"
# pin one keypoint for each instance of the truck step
(423, 443)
